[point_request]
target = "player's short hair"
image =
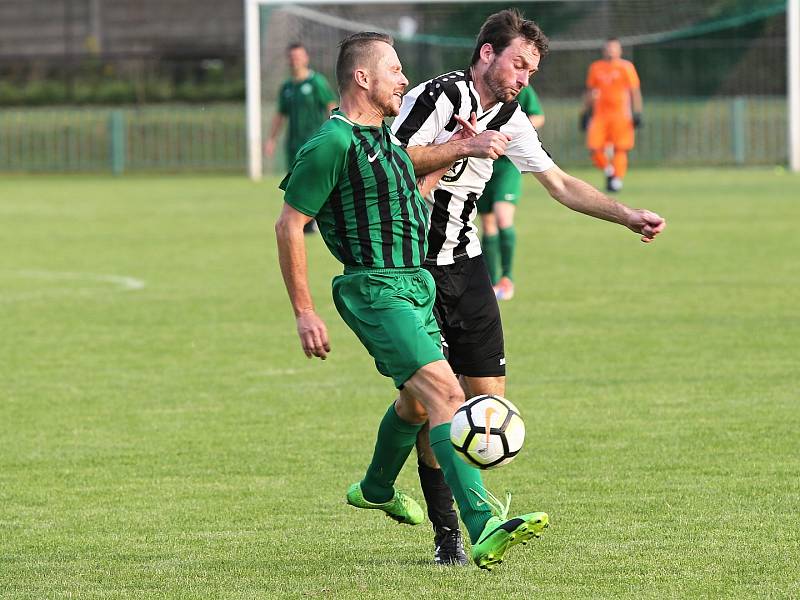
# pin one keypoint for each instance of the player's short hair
(502, 27)
(355, 51)
(294, 46)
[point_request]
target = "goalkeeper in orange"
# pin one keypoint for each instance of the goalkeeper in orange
(612, 110)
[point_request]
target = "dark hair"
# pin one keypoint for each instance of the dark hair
(502, 27)
(294, 46)
(354, 52)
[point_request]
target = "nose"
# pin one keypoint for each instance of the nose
(403, 81)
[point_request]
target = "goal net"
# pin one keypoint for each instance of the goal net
(714, 74)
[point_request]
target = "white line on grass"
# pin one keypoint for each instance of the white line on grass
(123, 281)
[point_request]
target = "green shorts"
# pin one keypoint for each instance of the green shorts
(504, 186)
(391, 312)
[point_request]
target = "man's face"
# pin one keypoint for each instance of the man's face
(298, 59)
(388, 82)
(511, 70)
(612, 50)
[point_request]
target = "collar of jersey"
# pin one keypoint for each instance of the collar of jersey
(338, 114)
(481, 113)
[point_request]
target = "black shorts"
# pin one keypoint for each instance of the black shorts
(467, 312)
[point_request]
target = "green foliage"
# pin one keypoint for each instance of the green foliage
(174, 442)
(98, 83)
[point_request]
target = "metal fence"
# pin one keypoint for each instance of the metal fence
(742, 130)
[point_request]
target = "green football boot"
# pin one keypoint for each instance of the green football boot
(401, 508)
(500, 532)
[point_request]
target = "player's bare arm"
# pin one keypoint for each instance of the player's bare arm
(578, 195)
(294, 268)
(487, 144)
(426, 183)
(277, 126)
(537, 120)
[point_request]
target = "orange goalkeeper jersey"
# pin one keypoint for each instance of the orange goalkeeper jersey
(611, 81)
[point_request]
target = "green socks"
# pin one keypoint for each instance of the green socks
(461, 478)
(395, 440)
(507, 242)
(491, 254)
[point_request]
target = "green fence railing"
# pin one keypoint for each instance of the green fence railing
(742, 130)
(173, 138)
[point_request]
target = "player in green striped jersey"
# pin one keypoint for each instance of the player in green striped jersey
(356, 179)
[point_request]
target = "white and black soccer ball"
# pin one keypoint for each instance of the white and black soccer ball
(487, 431)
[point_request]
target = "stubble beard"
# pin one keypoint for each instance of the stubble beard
(386, 105)
(500, 92)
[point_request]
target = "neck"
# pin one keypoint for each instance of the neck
(301, 74)
(487, 99)
(360, 110)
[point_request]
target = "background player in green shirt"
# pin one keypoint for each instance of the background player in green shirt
(357, 180)
(497, 204)
(304, 101)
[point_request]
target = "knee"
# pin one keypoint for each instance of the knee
(410, 410)
(505, 221)
(453, 397)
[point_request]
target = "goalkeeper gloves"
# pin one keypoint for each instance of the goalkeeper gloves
(637, 120)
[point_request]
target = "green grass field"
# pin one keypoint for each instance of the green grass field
(172, 441)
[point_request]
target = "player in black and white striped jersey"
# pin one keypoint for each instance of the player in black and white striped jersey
(508, 51)
(427, 116)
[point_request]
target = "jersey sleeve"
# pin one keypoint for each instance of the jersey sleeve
(425, 112)
(324, 91)
(283, 103)
(316, 171)
(525, 150)
(529, 101)
(633, 76)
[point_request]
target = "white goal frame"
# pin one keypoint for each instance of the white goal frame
(252, 30)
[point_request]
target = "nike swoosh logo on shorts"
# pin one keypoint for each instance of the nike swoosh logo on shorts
(373, 157)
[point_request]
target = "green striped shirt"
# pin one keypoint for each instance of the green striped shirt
(359, 184)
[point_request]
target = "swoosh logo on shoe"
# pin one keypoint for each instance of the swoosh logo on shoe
(373, 157)
(509, 526)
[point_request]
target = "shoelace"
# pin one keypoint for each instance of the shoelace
(497, 507)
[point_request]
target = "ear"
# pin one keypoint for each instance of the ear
(361, 77)
(487, 53)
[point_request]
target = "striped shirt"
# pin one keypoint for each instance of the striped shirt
(426, 117)
(358, 182)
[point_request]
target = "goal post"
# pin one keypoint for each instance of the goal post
(793, 83)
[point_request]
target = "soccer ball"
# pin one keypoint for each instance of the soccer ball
(487, 447)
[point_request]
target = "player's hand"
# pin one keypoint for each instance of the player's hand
(637, 120)
(269, 148)
(646, 223)
(469, 129)
(586, 116)
(487, 144)
(313, 335)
